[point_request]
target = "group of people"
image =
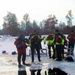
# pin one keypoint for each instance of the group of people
(57, 41)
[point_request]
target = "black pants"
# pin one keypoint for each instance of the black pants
(62, 49)
(37, 47)
(21, 57)
(49, 47)
(59, 52)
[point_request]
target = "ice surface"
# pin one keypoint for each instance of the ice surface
(8, 62)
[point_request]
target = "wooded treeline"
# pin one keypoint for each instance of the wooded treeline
(11, 26)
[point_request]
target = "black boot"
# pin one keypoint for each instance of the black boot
(39, 60)
(19, 65)
(32, 61)
(24, 63)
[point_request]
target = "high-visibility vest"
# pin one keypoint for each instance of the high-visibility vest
(58, 43)
(35, 40)
(34, 36)
(62, 41)
(49, 42)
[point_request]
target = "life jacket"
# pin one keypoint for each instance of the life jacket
(71, 38)
(50, 37)
(58, 40)
(63, 41)
(20, 44)
(35, 39)
(50, 40)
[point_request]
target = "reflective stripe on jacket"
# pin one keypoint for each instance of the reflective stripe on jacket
(49, 42)
(63, 41)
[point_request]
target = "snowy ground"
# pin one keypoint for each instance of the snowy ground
(8, 65)
(8, 62)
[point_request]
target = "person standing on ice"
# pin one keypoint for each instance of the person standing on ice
(50, 43)
(21, 49)
(35, 44)
(71, 38)
(58, 41)
(63, 44)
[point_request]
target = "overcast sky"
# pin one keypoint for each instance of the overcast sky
(37, 9)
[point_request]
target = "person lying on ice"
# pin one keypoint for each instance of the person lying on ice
(21, 49)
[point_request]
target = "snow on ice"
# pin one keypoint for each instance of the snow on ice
(8, 62)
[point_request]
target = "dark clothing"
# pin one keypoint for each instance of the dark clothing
(23, 57)
(33, 51)
(71, 38)
(62, 49)
(35, 45)
(59, 52)
(58, 41)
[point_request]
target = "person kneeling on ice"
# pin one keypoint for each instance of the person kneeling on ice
(21, 49)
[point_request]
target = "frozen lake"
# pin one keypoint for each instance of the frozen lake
(9, 66)
(8, 62)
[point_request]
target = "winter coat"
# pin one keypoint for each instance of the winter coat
(35, 39)
(71, 38)
(58, 40)
(21, 46)
(49, 40)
